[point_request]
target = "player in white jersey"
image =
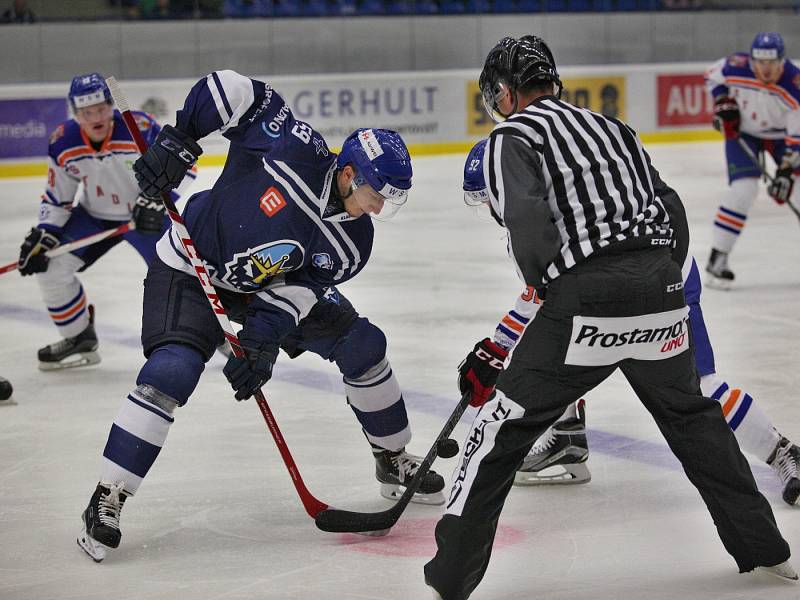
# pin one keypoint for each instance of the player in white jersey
(90, 188)
(559, 456)
(757, 109)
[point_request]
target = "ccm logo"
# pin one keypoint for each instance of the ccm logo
(271, 202)
(674, 287)
(661, 242)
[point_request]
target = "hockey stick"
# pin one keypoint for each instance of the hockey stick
(79, 243)
(336, 520)
(767, 177)
(310, 503)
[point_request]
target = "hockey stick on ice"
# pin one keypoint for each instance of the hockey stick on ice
(80, 243)
(767, 177)
(336, 520)
(310, 503)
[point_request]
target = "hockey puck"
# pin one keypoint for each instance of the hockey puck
(447, 448)
(5, 389)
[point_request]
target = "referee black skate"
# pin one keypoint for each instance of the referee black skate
(598, 234)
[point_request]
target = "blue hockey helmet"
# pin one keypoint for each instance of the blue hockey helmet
(475, 192)
(86, 90)
(380, 158)
(767, 46)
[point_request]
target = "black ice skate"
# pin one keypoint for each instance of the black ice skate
(785, 460)
(77, 351)
(560, 456)
(395, 469)
(719, 275)
(100, 520)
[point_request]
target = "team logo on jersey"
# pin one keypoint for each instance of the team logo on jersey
(322, 260)
(322, 149)
(332, 295)
(255, 268)
(57, 133)
(599, 341)
(271, 202)
(738, 60)
(143, 122)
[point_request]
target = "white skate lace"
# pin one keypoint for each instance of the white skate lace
(110, 506)
(542, 446)
(786, 464)
(407, 465)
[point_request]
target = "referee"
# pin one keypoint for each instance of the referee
(598, 234)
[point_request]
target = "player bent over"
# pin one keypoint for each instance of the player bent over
(559, 456)
(756, 104)
(90, 157)
(593, 228)
(285, 223)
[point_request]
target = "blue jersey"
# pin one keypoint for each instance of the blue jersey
(269, 226)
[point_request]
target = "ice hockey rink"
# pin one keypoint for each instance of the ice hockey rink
(218, 517)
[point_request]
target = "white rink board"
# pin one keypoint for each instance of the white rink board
(426, 107)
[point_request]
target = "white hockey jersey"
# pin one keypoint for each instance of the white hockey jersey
(102, 181)
(768, 111)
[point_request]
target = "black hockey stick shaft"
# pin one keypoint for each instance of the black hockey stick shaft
(764, 174)
(336, 520)
(310, 503)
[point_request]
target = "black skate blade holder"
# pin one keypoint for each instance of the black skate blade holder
(376, 524)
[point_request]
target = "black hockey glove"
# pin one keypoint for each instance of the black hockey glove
(478, 372)
(148, 214)
(248, 375)
(780, 188)
(727, 118)
(165, 163)
(32, 258)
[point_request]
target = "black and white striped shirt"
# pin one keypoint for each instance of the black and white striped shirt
(567, 182)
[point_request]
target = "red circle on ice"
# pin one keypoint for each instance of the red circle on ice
(414, 537)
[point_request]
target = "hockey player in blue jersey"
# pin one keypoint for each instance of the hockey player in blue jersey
(90, 157)
(559, 456)
(286, 222)
(757, 104)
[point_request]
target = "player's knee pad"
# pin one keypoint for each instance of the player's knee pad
(173, 370)
(363, 347)
(741, 195)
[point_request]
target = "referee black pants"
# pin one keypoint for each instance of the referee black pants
(536, 388)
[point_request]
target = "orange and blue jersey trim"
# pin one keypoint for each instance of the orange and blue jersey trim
(774, 90)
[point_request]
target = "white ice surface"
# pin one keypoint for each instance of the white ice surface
(218, 517)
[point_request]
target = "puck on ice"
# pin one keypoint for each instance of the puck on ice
(5, 389)
(447, 448)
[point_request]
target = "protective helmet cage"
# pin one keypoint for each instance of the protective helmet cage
(513, 64)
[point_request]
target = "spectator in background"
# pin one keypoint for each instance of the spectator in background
(18, 13)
